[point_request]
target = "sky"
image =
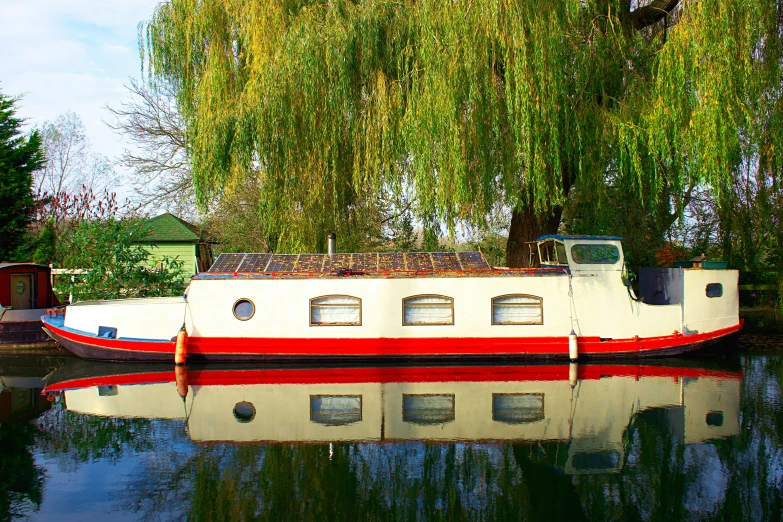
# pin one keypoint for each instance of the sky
(76, 55)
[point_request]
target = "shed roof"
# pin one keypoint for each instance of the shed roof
(169, 228)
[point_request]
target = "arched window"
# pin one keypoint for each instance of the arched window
(336, 310)
(420, 310)
(517, 309)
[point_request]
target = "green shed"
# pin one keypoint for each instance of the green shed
(170, 236)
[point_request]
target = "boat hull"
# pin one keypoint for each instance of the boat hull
(202, 349)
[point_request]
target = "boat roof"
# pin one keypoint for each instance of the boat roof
(384, 264)
(357, 262)
(582, 238)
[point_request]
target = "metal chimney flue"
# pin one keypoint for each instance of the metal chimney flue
(332, 243)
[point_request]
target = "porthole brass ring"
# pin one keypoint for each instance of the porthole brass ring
(241, 301)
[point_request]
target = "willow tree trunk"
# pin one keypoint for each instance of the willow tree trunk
(524, 229)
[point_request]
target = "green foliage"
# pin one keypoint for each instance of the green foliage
(19, 157)
(116, 266)
(402, 236)
(470, 105)
(46, 244)
(491, 244)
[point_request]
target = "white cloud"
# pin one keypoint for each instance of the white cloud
(73, 55)
(52, 54)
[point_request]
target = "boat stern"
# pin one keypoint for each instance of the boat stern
(710, 300)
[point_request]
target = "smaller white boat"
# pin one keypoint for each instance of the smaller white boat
(424, 306)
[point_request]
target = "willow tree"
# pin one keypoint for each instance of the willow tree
(470, 106)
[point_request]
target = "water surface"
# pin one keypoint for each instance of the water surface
(668, 440)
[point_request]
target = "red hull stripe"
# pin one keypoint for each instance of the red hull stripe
(112, 344)
(404, 346)
(396, 374)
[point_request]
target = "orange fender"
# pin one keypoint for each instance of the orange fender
(181, 347)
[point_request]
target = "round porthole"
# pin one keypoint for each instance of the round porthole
(244, 412)
(244, 309)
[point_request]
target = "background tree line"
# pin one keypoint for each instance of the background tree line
(607, 116)
(57, 207)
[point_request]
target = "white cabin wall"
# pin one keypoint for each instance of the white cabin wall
(705, 314)
(283, 307)
(603, 308)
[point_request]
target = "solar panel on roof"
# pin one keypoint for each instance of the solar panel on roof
(391, 261)
(282, 263)
(336, 262)
(473, 261)
(227, 263)
(366, 262)
(254, 263)
(445, 261)
(311, 262)
(419, 261)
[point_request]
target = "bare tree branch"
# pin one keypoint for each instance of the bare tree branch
(651, 13)
(159, 157)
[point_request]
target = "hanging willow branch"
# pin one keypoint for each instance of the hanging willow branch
(467, 104)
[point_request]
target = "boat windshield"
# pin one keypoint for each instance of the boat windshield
(595, 254)
(552, 252)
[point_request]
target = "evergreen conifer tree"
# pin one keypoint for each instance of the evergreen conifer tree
(20, 156)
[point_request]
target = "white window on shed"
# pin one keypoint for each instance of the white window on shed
(517, 309)
(427, 310)
(336, 310)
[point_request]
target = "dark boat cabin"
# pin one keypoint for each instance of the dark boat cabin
(25, 286)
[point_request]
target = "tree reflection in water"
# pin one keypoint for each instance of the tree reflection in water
(21, 480)
(658, 476)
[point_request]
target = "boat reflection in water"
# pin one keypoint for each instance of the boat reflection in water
(21, 380)
(589, 407)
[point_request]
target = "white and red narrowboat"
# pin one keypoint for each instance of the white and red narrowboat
(423, 306)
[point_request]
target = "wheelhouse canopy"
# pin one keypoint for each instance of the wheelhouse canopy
(580, 238)
(581, 252)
